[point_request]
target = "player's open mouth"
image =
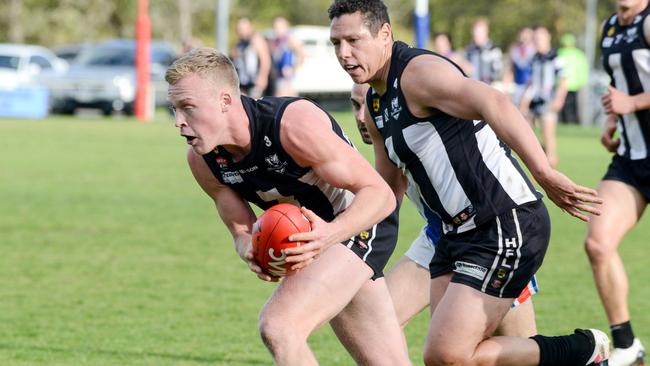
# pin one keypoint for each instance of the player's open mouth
(350, 68)
(190, 139)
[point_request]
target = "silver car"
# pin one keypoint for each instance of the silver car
(22, 64)
(103, 77)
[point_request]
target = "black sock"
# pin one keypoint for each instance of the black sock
(622, 335)
(568, 350)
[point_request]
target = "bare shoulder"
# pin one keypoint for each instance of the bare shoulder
(427, 77)
(646, 29)
(306, 133)
(426, 69)
(302, 119)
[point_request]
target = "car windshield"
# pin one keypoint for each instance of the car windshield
(104, 56)
(113, 56)
(9, 62)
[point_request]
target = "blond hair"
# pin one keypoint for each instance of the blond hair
(205, 62)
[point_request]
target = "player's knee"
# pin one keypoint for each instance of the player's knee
(597, 249)
(274, 331)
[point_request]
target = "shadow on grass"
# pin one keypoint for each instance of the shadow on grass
(225, 359)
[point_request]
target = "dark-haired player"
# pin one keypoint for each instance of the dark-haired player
(438, 128)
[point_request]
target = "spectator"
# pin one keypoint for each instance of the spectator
(483, 55)
(521, 63)
(252, 59)
(544, 97)
(287, 55)
(442, 45)
(576, 70)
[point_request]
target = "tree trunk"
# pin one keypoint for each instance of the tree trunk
(16, 34)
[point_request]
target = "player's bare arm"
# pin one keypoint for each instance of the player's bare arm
(307, 136)
(607, 137)
(236, 213)
(448, 90)
(391, 173)
(560, 95)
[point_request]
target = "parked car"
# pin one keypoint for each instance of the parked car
(320, 76)
(22, 64)
(70, 52)
(103, 76)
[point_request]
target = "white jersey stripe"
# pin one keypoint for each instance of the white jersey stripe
(423, 139)
(513, 184)
(339, 199)
(633, 132)
(372, 237)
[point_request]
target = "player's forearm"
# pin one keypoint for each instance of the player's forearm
(242, 243)
(641, 101)
(370, 205)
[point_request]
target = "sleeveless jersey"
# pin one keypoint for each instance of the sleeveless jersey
(486, 62)
(547, 70)
(268, 175)
(626, 57)
(246, 63)
(462, 171)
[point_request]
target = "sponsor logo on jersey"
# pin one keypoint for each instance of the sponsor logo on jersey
(395, 108)
(611, 31)
(470, 269)
(501, 273)
(496, 283)
(249, 169)
(607, 42)
(275, 164)
(464, 215)
(364, 235)
(221, 161)
(379, 121)
(375, 104)
(232, 177)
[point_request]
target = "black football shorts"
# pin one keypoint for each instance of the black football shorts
(500, 256)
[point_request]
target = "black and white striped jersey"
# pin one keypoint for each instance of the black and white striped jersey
(548, 70)
(626, 57)
(486, 60)
(461, 170)
(268, 175)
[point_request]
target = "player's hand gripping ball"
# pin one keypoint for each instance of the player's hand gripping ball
(271, 234)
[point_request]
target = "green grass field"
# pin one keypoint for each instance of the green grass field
(112, 255)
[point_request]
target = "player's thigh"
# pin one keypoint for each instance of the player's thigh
(519, 321)
(437, 289)
(319, 291)
(368, 328)
(408, 284)
(463, 318)
(621, 209)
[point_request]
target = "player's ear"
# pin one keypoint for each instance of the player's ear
(386, 33)
(226, 101)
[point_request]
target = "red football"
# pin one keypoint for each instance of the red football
(271, 234)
